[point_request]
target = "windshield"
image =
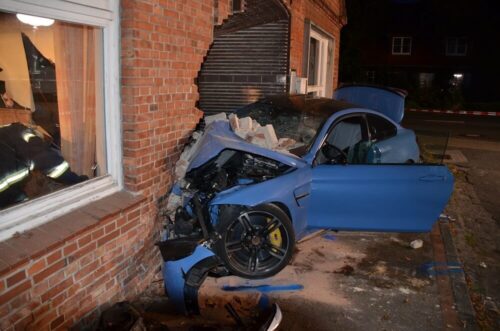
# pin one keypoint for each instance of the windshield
(298, 117)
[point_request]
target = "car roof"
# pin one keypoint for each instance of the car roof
(304, 103)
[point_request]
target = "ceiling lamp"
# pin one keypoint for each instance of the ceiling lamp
(34, 20)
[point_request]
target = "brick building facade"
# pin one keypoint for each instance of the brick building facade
(67, 270)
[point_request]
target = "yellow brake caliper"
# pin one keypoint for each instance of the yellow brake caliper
(275, 236)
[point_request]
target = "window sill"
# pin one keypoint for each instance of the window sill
(40, 240)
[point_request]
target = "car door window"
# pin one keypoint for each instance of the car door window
(345, 143)
(380, 128)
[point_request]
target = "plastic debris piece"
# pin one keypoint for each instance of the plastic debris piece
(264, 288)
(483, 265)
(329, 236)
(416, 244)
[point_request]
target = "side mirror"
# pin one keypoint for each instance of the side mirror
(334, 154)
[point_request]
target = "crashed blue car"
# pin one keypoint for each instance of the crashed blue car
(253, 184)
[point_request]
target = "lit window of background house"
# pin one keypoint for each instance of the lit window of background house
(401, 45)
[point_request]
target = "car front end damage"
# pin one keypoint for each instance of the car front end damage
(219, 179)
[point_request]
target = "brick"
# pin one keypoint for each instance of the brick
(54, 257)
(10, 294)
(68, 249)
(83, 272)
(16, 278)
(49, 271)
(19, 301)
(108, 237)
(53, 292)
(85, 240)
(37, 267)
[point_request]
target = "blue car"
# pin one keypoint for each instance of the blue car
(342, 164)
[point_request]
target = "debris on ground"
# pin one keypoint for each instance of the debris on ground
(404, 290)
(346, 270)
(416, 244)
(124, 316)
(483, 265)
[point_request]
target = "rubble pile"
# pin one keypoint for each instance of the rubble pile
(264, 136)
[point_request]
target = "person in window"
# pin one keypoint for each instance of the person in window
(24, 150)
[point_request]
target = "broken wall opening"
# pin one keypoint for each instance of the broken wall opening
(249, 58)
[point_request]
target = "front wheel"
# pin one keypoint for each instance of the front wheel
(256, 242)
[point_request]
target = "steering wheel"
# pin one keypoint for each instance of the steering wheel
(334, 154)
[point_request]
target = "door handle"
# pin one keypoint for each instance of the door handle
(432, 178)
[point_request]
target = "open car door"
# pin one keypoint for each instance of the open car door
(399, 198)
(350, 195)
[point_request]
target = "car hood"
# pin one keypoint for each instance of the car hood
(219, 136)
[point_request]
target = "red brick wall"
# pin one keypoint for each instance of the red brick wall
(315, 12)
(163, 43)
(99, 266)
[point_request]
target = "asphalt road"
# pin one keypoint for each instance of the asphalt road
(481, 127)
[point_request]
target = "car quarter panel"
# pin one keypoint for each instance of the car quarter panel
(291, 190)
(401, 147)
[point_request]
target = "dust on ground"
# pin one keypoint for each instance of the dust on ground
(351, 281)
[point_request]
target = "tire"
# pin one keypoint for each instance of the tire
(255, 242)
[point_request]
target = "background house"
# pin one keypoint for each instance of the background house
(442, 52)
(128, 71)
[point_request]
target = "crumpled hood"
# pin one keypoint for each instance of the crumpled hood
(218, 136)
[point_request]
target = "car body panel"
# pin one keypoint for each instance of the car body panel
(389, 102)
(291, 190)
(219, 136)
(402, 146)
(174, 275)
(388, 198)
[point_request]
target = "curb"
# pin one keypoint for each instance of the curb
(463, 304)
(456, 112)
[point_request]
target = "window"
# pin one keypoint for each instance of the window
(425, 79)
(238, 6)
(370, 76)
(346, 142)
(380, 128)
(401, 45)
(318, 64)
(456, 46)
(58, 81)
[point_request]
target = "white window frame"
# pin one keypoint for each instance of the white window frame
(455, 51)
(319, 89)
(400, 51)
(103, 14)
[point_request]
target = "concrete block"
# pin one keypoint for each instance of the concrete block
(242, 133)
(216, 117)
(246, 123)
(270, 135)
(234, 122)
